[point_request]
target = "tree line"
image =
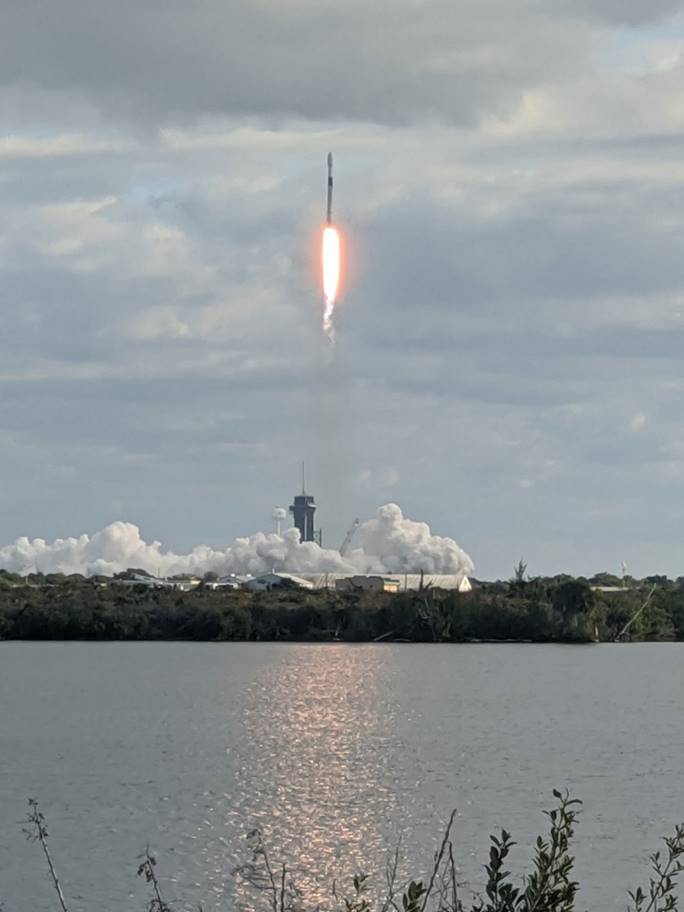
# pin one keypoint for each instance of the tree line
(550, 609)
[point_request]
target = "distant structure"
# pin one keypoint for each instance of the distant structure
(344, 547)
(279, 515)
(369, 583)
(268, 581)
(399, 582)
(303, 510)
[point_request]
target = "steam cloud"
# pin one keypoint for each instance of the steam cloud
(387, 543)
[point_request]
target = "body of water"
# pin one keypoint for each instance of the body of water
(336, 752)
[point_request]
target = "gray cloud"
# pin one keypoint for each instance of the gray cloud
(383, 62)
(624, 12)
(510, 329)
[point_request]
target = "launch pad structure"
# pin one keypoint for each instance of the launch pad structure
(303, 510)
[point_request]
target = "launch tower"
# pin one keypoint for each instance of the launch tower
(303, 510)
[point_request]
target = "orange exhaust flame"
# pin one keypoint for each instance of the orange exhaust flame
(331, 277)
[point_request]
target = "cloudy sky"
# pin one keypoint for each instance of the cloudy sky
(511, 331)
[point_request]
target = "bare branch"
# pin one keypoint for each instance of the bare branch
(36, 831)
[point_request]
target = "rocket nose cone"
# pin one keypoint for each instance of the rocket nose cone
(330, 159)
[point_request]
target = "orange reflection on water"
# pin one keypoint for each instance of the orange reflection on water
(318, 728)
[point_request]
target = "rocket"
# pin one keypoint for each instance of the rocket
(330, 254)
(330, 189)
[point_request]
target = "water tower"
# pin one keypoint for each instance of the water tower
(278, 515)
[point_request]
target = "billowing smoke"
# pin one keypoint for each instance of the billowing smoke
(391, 543)
(387, 543)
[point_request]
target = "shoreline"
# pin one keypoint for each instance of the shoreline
(323, 642)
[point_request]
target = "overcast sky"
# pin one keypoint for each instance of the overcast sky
(510, 336)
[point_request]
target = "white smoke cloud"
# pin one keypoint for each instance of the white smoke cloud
(387, 543)
(391, 543)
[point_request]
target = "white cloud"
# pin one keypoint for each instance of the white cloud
(70, 144)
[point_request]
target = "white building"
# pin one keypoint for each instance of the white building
(232, 581)
(368, 583)
(180, 583)
(272, 580)
(406, 581)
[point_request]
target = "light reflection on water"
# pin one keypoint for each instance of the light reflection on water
(336, 752)
(316, 730)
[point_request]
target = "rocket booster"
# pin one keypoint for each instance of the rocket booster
(330, 189)
(330, 254)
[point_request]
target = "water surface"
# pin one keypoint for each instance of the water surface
(337, 752)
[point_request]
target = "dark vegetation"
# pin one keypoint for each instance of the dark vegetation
(547, 886)
(554, 609)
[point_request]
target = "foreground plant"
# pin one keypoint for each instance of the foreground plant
(146, 869)
(259, 875)
(35, 830)
(661, 896)
(547, 887)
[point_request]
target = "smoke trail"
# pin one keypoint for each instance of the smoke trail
(328, 325)
(387, 543)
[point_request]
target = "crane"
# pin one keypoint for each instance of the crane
(344, 547)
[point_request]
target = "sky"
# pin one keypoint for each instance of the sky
(508, 364)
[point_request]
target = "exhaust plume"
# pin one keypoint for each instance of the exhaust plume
(391, 543)
(331, 277)
(388, 543)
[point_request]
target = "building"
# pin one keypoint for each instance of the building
(184, 583)
(225, 582)
(405, 581)
(150, 582)
(181, 583)
(368, 583)
(268, 581)
(303, 510)
(465, 585)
